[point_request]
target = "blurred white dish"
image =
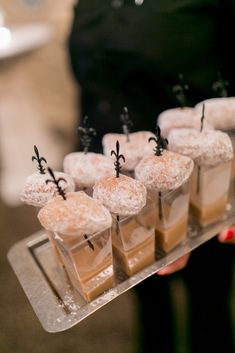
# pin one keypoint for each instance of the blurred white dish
(23, 38)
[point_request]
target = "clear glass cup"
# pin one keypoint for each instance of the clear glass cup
(133, 239)
(209, 192)
(171, 217)
(88, 261)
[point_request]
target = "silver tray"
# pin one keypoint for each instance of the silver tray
(57, 305)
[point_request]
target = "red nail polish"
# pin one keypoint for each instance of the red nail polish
(229, 234)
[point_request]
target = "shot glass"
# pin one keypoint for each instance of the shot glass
(88, 261)
(209, 192)
(133, 239)
(171, 209)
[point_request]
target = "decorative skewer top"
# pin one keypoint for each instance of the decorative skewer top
(118, 157)
(87, 134)
(179, 91)
(61, 191)
(126, 123)
(220, 86)
(203, 117)
(161, 143)
(39, 160)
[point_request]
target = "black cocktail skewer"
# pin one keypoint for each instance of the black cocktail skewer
(220, 86)
(126, 123)
(87, 133)
(39, 160)
(118, 158)
(161, 144)
(179, 90)
(199, 167)
(203, 117)
(55, 181)
(118, 167)
(91, 246)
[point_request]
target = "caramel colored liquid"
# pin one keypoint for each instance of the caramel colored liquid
(171, 213)
(96, 285)
(133, 245)
(209, 214)
(90, 269)
(209, 192)
(134, 260)
(168, 238)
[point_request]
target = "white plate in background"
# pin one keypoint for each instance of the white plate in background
(19, 39)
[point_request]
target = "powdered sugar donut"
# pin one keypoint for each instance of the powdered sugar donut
(209, 147)
(123, 196)
(87, 168)
(79, 214)
(36, 192)
(220, 112)
(181, 118)
(163, 173)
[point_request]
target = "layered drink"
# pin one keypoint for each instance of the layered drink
(132, 228)
(212, 153)
(81, 227)
(221, 115)
(166, 177)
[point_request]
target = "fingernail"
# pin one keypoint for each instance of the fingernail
(229, 234)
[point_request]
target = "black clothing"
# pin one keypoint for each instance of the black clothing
(131, 56)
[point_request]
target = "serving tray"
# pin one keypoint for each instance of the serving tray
(57, 305)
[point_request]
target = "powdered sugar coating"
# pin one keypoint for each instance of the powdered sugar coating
(220, 112)
(209, 147)
(86, 169)
(181, 118)
(164, 173)
(79, 214)
(133, 151)
(123, 196)
(36, 192)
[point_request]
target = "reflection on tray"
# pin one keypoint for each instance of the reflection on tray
(48, 288)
